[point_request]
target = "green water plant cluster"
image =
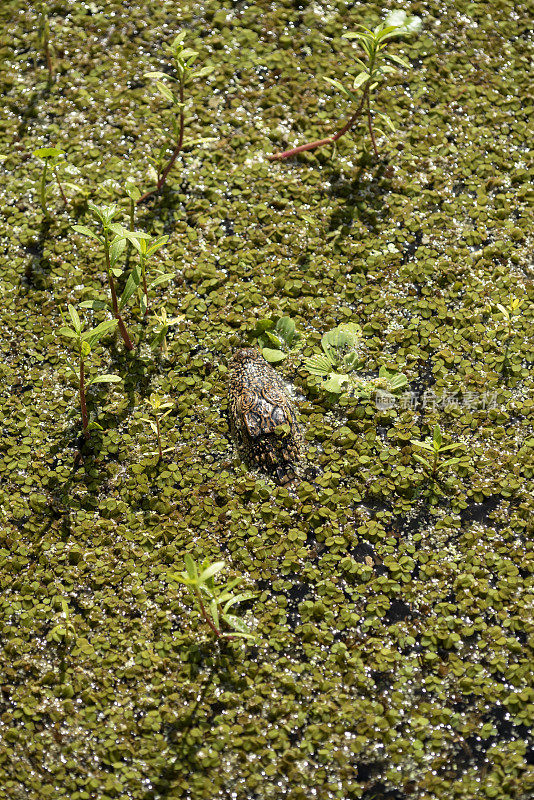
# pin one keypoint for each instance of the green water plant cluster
(341, 360)
(276, 337)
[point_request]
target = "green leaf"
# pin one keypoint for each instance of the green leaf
(335, 383)
(238, 625)
(437, 437)
(94, 305)
(449, 462)
(156, 75)
(48, 152)
(273, 356)
(422, 460)
(203, 72)
(398, 60)
(165, 91)
(116, 249)
(286, 328)
(156, 244)
(99, 332)
(68, 332)
(132, 284)
(424, 446)
(319, 365)
(190, 567)
(214, 611)
(94, 426)
(105, 379)
(83, 229)
(213, 569)
(161, 279)
(338, 85)
(360, 79)
(73, 314)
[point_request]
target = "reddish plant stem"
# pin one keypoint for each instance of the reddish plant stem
(115, 304)
(83, 405)
(329, 140)
(176, 152)
(60, 188)
(206, 616)
(370, 124)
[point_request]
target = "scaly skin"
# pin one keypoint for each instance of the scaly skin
(259, 403)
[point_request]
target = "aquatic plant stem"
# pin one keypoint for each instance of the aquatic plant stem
(160, 451)
(370, 124)
(83, 405)
(206, 616)
(329, 140)
(163, 177)
(114, 302)
(42, 192)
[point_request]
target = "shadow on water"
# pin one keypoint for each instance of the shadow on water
(363, 198)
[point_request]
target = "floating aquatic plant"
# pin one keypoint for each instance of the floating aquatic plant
(276, 338)
(339, 361)
(371, 70)
(83, 341)
(184, 59)
(215, 601)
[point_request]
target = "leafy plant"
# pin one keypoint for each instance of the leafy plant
(50, 157)
(83, 342)
(510, 314)
(163, 323)
(160, 409)
(43, 36)
(434, 445)
(183, 58)
(371, 70)
(339, 357)
(215, 602)
(339, 361)
(113, 239)
(146, 246)
(276, 338)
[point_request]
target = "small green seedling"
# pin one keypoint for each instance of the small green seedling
(146, 247)
(183, 58)
(83, 342)
(434, 446)
(113, 239)
(215, 602)
(63, 633)
(371, 70)
(276, 338)
(50, 157)
(160, 409)
(43, 36)
(163, 323)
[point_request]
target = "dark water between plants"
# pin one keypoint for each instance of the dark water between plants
(394, 614)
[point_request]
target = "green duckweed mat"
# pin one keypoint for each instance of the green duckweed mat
(393, 613)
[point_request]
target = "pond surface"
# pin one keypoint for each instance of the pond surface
(393, 612)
